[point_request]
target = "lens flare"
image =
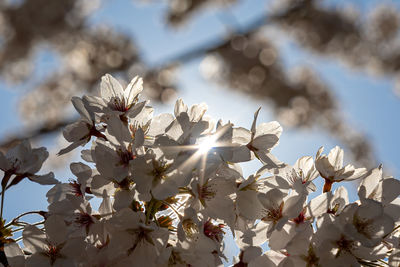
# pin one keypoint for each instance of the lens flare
(206, 144)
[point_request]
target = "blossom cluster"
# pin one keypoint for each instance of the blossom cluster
(170, 188)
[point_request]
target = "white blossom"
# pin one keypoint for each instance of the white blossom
(169, 187)
(332, 170)
(21, 162)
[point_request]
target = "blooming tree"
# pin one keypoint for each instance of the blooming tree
(171, 187)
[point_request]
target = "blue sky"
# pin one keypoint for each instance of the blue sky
(367, 103)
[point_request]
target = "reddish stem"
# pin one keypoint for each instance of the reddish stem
(327, 185)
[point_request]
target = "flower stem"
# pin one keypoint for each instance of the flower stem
(15, 220)
(2, 200)
(4, 182)
(149, 209)
(327, 185)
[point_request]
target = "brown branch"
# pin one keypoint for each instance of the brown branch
(209, 46)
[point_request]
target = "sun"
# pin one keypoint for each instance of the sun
(206, 144)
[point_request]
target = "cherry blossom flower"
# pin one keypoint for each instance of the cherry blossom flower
(328, 203)
(22, 162)
(301, 175)
(52, 247)
(258, 142)
(79, 133)
(15, 255)
(332, 170)
(377, 187)
(114, 100)
(143, 243)
(170, 188)
(156, 177)
(214, 196)
(75, 187)
(367, 222)
(335, 248)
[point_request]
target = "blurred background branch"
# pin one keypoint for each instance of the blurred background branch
(246, 59)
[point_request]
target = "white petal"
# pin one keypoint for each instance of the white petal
(76, 131)
(241, 154)
(306, 165)
(394, 258)
(105, 208)
(180, 107)
(34, 239)
(391, 190)
(159, 124)
(45, 179)
(166, 188)
(255, 236)
(251, 253)
(74, 249)
(272, 199)
(264, 143)
(197, 111)
(82, 171)
(369, 209)
(142, 169)
(58, 192)
(241, 136)
(369, 184)
(56, 229)
(125, 219)
(135, 110)
(279, 239)
(133, 89)
(117, 132)
(393, 209)
(341, 198)
(81, 108)
(319, 152)
(335, 158)
(248, 205)
(169, 146)
(39, 260)
(293, 206)
(122, 199)
(139, 138)
(110, 87)
(270, 161)
(349, 173)
(269, 259)
(253, 125)
(4, 164)
(272, 127)
(14, 254)
(72, 147)
(276, 182)
(324, 167)
(319, 205)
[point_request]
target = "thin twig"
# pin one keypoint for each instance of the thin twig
(15, 220)
(2, 201)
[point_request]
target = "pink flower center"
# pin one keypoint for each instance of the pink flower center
(299, 219)
(76, 188)
(125, 156)
(214, 232)
(273, 215)
(53, 252)
(118, 104)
